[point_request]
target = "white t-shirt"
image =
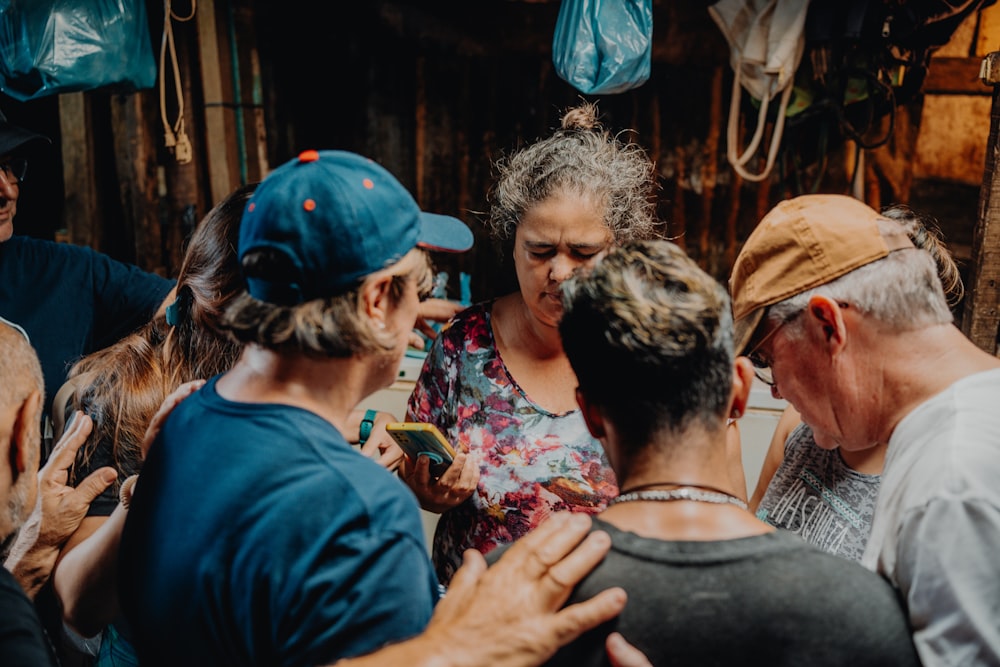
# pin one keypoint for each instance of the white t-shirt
(936, 530)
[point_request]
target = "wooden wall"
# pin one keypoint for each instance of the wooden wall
(435, 93)
(436, 90)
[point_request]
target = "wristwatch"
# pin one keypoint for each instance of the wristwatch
(367, 423)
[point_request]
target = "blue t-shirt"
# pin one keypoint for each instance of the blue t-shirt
(72, 300)
(258, 536)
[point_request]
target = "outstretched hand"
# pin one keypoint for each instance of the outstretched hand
(512, 613)
(61, 508)
(432, 310)
(86, 580)
(168, 405)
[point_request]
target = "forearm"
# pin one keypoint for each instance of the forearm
(86, 580)
(33, 568)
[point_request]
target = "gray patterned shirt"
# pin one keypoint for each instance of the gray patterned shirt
(815, 495)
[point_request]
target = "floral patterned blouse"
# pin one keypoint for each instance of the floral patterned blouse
(532, 462)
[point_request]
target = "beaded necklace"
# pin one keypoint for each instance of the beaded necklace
(693, 492)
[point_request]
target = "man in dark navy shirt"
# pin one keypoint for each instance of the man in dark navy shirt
(70, 299)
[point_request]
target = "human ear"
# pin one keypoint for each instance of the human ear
(591, 415)
(827, 314)
(375, 301)
(25, 437)
(742, 382)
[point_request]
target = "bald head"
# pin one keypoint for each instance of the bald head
(22, 388)
(20, 371)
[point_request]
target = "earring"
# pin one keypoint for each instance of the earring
(736, 414)
(381, 325)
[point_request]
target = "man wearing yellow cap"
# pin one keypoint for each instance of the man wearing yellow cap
(847, 320)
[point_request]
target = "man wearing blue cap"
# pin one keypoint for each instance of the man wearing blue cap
(70, 299)
(256, 533)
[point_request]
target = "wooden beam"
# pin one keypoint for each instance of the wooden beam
(955, 76)
(81, 219)
(258, 147)
(135, 160)
(981, 320)
(710, 163)
(221, 179)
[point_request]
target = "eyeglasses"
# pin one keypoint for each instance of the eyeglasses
(762, 367)
(14, 170)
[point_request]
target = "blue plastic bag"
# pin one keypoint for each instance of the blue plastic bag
(60, 46)
(603, 46)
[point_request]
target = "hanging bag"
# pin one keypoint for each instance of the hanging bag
(766, 40)
(603, 46)
(59, 46)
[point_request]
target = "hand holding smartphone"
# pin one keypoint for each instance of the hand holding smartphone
(416, 439)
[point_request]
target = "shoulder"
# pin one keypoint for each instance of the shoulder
(70, 258)
(26, 248)
(854, 583)
(466, 322)
(468, 332)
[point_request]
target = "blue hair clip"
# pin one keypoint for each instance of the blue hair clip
(173, 312)
(172, 316)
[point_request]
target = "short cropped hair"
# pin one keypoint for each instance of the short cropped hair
(650, 337)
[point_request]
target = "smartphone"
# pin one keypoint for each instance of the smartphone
(417, 438)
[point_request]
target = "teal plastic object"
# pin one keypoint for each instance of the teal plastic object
(603, 46)
(49, 47)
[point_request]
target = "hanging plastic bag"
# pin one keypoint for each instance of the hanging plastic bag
(603, 46)
(766, 40)
(60, 46)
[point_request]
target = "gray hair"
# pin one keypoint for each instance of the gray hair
(580, 157)
(925, 233)
(331, 327)
(650, 337)
(902, 290)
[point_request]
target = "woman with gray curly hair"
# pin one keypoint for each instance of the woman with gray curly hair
(496, 381)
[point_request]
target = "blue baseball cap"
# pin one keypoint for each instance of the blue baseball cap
(337, 217)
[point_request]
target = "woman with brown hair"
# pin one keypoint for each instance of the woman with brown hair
(121, 387)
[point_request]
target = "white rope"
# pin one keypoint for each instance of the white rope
(174, 135)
